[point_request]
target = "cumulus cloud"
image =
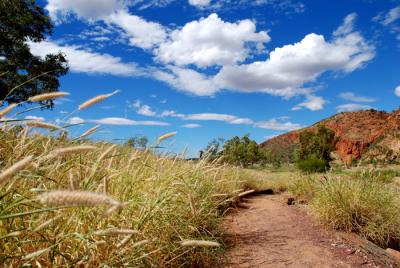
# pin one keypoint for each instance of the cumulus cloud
(84, 61)
(397, 91)
(187, 80)
(291, 66)
(224, 46)
(143, 109)
(312, 102)
(142, 33)
(349, 107)
(211, 41)
(118, 121)
(353, 97)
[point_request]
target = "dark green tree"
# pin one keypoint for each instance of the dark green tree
(314, 149)
(137, 142)
(214, 148)
(242, 151)
(22, 74)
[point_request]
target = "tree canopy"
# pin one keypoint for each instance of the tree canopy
(22, 74)
(314, 148)
(242, 151)
(137, 142)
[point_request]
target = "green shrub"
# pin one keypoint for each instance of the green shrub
(313, 164)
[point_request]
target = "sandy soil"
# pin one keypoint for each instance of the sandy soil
(271, 233)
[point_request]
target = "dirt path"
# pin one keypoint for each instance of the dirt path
(272, 234)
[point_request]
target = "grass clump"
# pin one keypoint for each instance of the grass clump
(53, 210)
(366, 207)
(354, 203)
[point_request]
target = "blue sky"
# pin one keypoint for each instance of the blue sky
(220, 68)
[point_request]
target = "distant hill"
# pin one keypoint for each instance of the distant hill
(369, 135)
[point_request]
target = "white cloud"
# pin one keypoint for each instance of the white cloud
(191, 126)
(231, 119)
(274, 124)
(32, 117)
(392, 16)
(142, 109)
(397, 91)
(269, 137)
(312, 102)
(349, 107)
(84, 61)
(87, 9)
(146, 110)
(390, 19)
(347, 26)
(170, 113)
(199, 3)
(118, 121)
(291, 66)
(353, 97)
(142, 33)
(211, 41)
(187, 80)
(75, 120)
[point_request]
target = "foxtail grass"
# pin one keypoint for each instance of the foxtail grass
(95, 100)
(47, 96)
(7, 110)
(145, 202)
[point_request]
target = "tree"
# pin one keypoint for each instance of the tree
(22, 74)
(242, 151)
(214, 148)
(314, 149)
(137, 142)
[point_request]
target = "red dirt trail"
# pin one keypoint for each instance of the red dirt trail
(271, 233)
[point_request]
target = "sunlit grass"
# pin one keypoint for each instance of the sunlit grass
(365, 202)
(164, 201)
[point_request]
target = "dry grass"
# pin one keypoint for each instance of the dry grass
(150, 205)
(363, 202)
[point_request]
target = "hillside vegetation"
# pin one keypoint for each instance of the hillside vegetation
(368, 133)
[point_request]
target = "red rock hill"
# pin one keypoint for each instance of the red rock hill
(355, 132)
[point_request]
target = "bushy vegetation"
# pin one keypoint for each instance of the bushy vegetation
(312, 164)
(148, 205)
(241, 151)
(238, 151)
(361, 202)
(314, 149)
